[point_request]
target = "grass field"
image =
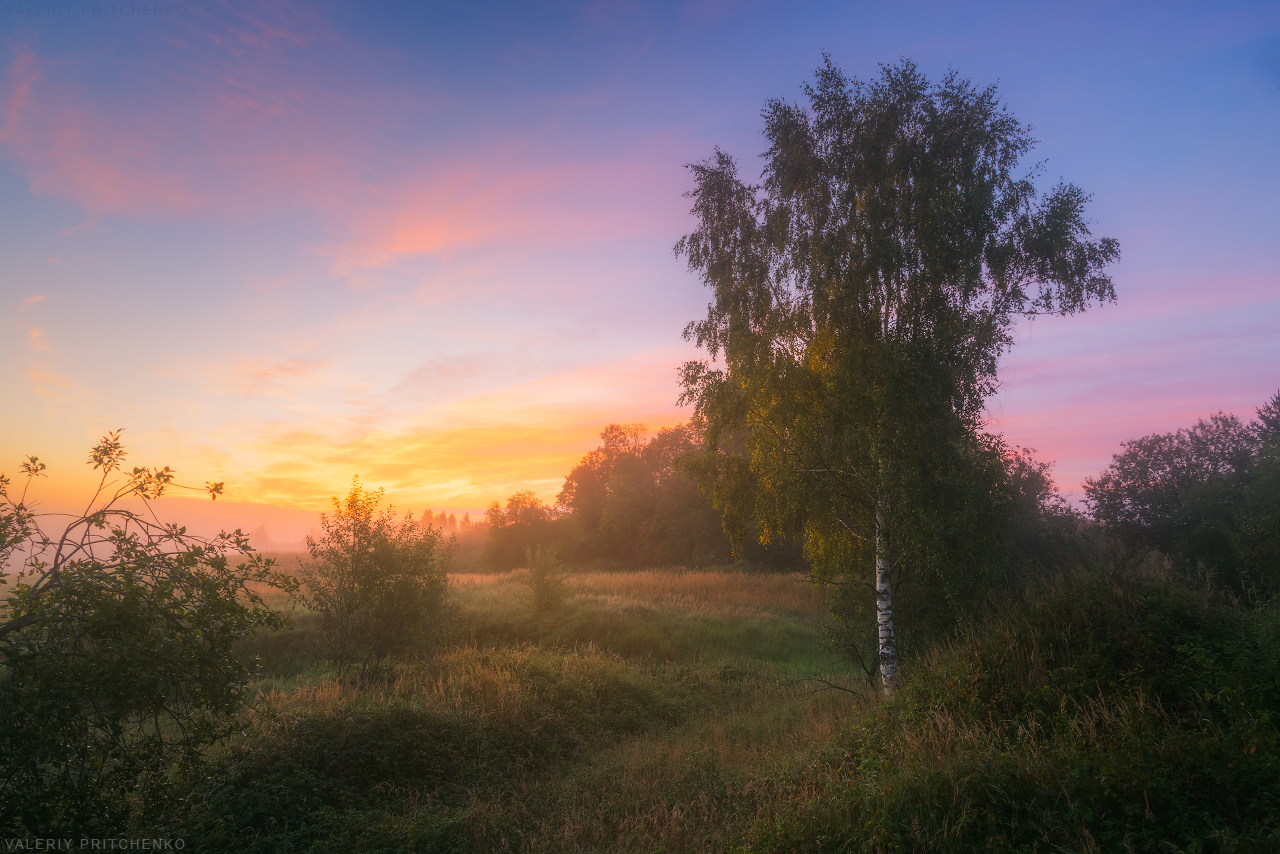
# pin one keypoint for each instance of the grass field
(676, 711)
(658, 710)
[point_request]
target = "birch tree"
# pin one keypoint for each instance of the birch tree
(863, 294)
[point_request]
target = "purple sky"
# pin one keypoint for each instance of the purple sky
(431, 244)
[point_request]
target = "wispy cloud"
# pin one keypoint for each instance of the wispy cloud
(36, 340)
(253, 377)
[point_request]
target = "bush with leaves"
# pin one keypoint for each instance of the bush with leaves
(117, 639)
(377, 583)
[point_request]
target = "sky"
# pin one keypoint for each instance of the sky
(282, 244)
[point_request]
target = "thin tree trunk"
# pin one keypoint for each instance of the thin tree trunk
(884, 608)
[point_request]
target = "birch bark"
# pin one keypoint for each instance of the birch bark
(884, 608)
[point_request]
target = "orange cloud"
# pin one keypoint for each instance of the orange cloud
(52, 386)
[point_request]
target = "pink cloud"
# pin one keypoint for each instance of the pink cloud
(36, 340)
(241, 118)
(70, 151)
(532, 204)
(216, 120)
(1165, 356)
(260, 376)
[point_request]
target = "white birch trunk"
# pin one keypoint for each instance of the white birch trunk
(884, 608)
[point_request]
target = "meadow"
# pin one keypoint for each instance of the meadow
(693, 711)
(658, 709)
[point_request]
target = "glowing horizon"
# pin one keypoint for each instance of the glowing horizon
(283, 244)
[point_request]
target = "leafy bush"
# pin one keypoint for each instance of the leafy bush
(117, 657)
(375, 583)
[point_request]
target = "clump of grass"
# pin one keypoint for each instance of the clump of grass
(1101, 714)
(698, 787)
(726, 593)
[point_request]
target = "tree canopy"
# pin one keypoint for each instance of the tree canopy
(1208, 496)
(863, 294)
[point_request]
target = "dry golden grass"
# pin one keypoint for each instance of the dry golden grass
(736, 594)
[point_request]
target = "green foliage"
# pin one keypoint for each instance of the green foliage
(377, 584)
(863, 296)
(117, 658)
(546, 578)
(1102, 714)
(1257, 536)
(1207, 496)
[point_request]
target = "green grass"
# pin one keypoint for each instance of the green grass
(667, 710)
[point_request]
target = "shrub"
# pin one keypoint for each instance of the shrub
(376, 583)
(117, 652)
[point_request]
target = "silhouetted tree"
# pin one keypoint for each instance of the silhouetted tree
(1045, 532)
(525, 522)
(863, 295)
(1257, 537)
(631, 502)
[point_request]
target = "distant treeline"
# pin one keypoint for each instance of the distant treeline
(627, 503)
